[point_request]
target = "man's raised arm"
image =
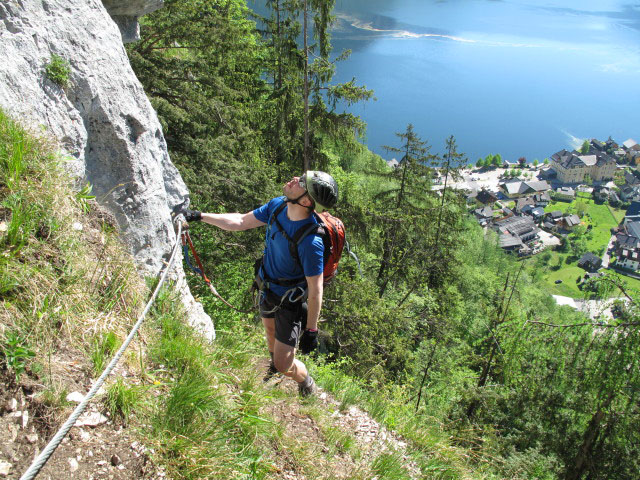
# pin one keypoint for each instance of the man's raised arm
(226, 221)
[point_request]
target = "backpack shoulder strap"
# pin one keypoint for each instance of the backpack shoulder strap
(276, 212)
(274, 219)
(293, 244)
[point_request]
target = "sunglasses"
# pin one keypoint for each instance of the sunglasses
(302, 181)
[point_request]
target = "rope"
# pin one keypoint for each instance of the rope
(186, 240)
(40, 461)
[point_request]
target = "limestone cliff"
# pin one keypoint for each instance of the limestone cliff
(102, 119)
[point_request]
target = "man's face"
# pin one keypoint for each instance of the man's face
(292, 189)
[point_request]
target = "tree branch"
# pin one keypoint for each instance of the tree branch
(592, 324)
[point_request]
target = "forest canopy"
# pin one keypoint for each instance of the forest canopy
(441, 317)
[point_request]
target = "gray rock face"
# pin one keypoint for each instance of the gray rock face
(102, 120)
(126, 13)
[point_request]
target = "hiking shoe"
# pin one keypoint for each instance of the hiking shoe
(308, 387)
(272, 371)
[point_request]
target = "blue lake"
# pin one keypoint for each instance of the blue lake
(519, 78)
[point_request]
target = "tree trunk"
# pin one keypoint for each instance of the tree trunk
(384, 266)
(305, 153)
(424, 376)
(588, 441)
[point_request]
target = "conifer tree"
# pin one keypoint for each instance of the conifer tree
(404, 206)
(305, 82)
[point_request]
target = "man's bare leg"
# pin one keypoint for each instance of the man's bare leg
(287, 364)
(269, 332)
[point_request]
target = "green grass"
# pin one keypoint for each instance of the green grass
(389, 466)
(103, 347)
(208, 410)
(51, 276)
(206, 423)
(121, 399)
(428, 445)
(602, 218)
(567, 273)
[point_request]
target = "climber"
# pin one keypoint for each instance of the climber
(290, 288)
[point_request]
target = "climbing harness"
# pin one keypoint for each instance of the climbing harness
(187, 245)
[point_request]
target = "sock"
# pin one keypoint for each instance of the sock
(307, 381)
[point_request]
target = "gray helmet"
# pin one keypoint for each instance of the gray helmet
(322, 188)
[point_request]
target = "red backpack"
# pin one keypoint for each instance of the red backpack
(334, 237)
(329, 228)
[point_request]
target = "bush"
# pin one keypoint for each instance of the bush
(58, 71)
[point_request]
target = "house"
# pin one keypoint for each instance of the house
(537, 213)
(631, 150)
(566, 194)
(601, 194)
(524, 202)
(624, 240)
(485, 197)
(632, 177)
(573, 167)
(526, 210)
(590, 262)
(631, 145)
(615, 200)
(554, 217)
(633, 229)
(484, 215)
(630, 193)
(552, 220)
(633, 157)
(571, 221)
(610, 146)
(517, 188)
(549, 225)
(542, 199)
(510, 243)
(521, 226)
(627, 247)
(629, 259)
(513, 243)
(632, 214)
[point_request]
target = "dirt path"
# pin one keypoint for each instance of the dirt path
(349, 439)
(343, 443)
(96, 448)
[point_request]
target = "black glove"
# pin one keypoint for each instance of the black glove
(308, 341)
(192, 215)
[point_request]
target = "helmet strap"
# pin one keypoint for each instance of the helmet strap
(297, 202)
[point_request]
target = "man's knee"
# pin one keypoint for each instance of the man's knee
(269, 326)
(283, 364)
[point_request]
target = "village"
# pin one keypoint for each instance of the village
(580, 207)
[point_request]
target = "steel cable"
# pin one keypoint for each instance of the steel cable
(42, 458)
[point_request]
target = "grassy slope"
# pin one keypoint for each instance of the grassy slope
(602, 218)
(70, 293)
(213, 417)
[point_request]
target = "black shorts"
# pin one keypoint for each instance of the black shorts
(290, 318)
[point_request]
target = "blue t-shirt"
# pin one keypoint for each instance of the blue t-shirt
(278, 262)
